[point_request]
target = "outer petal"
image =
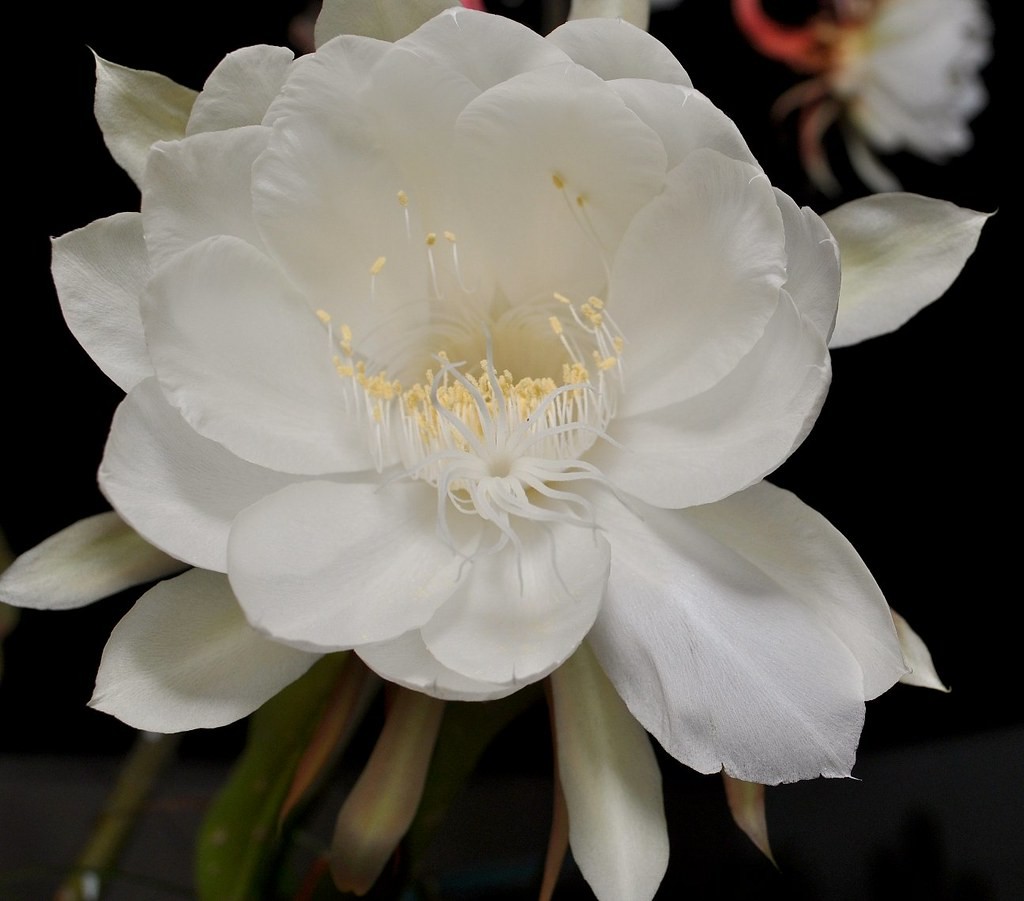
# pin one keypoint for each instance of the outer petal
(134, 109)
(887, 281)
(184, 658)
(465, 41)
(100, 272)
(327, 566)
(240, 89)
(200, 187)
(724, 666)
(915, 651)
(727, 438)
(684, 119)
(612, 784)
(247, 363)
(812, 264)
(536, 197)
(386, 21)
(696, 279)
(91, 559)
(406, 661)
(180, 490)
(613, 48)
(524, 609)
(806, 555)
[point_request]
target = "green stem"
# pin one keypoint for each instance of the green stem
(146, 760)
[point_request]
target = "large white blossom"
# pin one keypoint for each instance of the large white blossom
(470, 351)
(898, 75)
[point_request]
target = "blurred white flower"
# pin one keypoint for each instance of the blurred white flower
(897, 75)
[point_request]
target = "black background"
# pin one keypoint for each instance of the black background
(914, 457)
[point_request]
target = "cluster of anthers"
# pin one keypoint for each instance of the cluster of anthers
(493, 444)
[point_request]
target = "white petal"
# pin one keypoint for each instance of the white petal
(612, 784)
(696, 279)
(328, 566)
(613, 48)
(240, 89)
(89, 560)
(247, 363)
(184, 658)
(100, 272)
(684, 119)
(803, 553)
(812, 264)
(326, 202)
(536, 196)
(386, 21)
(725, 667)
(522, 611)
(407, 661)
(180, 490)
(636, 12)
(727, 438)
(899, 252)
(198, 188)
(134, 109)
(919, 659)
(465, 40)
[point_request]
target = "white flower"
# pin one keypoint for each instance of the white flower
(899, 75)
(469, 352)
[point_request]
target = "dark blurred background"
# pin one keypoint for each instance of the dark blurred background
(913, 458)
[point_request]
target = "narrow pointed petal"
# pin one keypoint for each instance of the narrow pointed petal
(919, 659)
(381, 19)
(240, 89)
(357, 562)
(100, 272)
(344, 711)
(89, 560)
(746, 804)
(887, 281)
(612, 784)
(177, 488)
(558, 843)
(381, 806)
(185, 658)
(136, 108)
(636, 12)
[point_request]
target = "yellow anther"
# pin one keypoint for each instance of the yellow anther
(561, 298)
(378, 264)
(604, 363)
(596, 302)
(580, 200)
(431, 239)
(323, 316)
(592, 316)
(557, 180)
(618, 343)
(403, 198)
(556, 325)
(450, 237)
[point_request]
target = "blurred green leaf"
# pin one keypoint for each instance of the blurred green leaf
(240, 840)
